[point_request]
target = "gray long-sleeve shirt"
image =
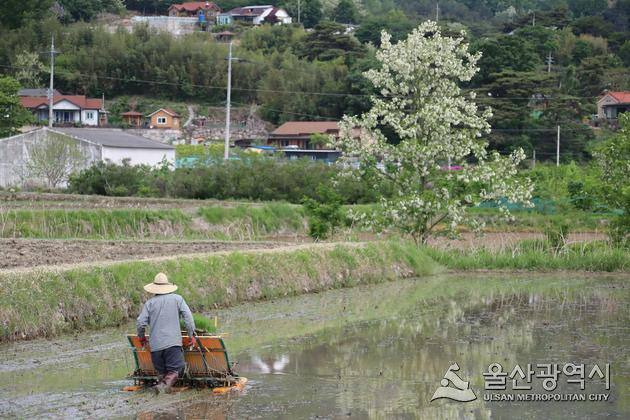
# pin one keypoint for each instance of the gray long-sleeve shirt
(162, 313)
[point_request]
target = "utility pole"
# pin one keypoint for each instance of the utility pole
(549, 62)
(52, 77)
(534, 158)
(299, 11)
(437, 11)
(558, 148)
(226, 152)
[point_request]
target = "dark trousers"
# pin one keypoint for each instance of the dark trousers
(170, 359)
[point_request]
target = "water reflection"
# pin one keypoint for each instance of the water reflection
(391, 366)
(368, 352)
(273, 365)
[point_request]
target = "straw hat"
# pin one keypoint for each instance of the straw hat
(160, 285)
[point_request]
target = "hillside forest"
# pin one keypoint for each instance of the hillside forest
(544, 62)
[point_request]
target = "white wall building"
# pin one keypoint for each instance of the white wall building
(96, 144)
(256, 15)
(117, 145)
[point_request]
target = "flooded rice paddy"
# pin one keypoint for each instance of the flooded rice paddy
(377, 351)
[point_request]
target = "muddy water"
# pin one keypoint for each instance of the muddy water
(369, 352)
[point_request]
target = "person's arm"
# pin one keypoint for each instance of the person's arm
(142, 321)
(184, 312)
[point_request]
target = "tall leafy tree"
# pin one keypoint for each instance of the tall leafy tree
(345, 12)
(16, 13)
(613, 158)
(395, 22)
(88, 9)
(505, 53)
(28, 69)
(587, 7)
(422, 102)
(311, 11)
(328, 41)
(12, 114)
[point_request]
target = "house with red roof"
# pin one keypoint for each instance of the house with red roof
(255, 15)
(67, 109)
(207, 9)
(297, 134)
(296, 140)
(611, 104)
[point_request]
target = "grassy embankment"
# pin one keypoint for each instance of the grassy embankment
(47, 303)
(234, 222)
(240, 222)
(593, 256)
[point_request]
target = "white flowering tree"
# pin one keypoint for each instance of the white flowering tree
(438, 164)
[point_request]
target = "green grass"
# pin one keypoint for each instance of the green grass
(92, 224)
(525, 221)
(270, 218)
(537, 255)
(229, 222)
(531, 221)
(48, 303)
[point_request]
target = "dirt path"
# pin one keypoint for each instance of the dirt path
(30, 253)
(213, 248)
(51, 201)
(191, 115)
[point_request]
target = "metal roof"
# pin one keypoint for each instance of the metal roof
(305, 128)
(113, 138)
(36, 92)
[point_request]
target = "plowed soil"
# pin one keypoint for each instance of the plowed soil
(16, 253)
(38, 252)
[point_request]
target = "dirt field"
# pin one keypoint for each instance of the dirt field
(37, 252)
(15, 253)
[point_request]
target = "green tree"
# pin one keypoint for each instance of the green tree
(28, 69)
(311, 11)
(395, 22)
(624, 53)
(329, 41)
(613, 158)
(542, 39)
(289, 74)
(587, 7)
(268, 39)
(593, 25)
(592, 74)
(12, 114)
(504, 53)
(517, 100)
(324, 213)
(16, 13)
(345, 12)
(88, 9)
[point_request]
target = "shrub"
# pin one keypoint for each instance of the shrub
(557, 234)
(249, 177)
(324, 214)
(107, 178)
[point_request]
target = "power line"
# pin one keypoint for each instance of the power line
(479, 98)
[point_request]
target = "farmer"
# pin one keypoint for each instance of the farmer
(162, 312)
